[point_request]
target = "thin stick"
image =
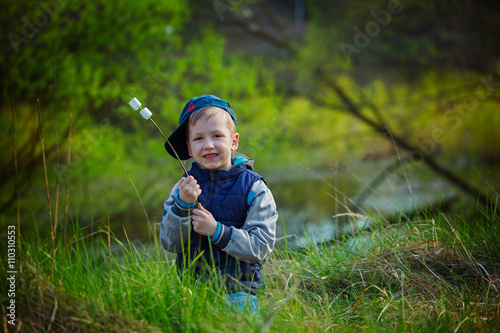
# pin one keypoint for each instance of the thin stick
(92, 233)
(399, 158)
(173, 149)
(351, 214)
(57, 153)
(67, 176)
(336, 185)
(137, 192)
(45, 170)
(182, 166)
(376, 193)
(54, 311)
(180, 163)
(463, 246)
(434, 228)
(338, 191)
(16, 172)
(166, 139)
(109, 251)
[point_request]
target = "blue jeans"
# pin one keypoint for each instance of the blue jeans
(243, 302)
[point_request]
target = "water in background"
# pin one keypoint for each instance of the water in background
(312, 205)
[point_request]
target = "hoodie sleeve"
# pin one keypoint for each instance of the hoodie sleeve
(255, 240)
(174, 227)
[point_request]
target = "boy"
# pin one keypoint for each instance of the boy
(229, 207)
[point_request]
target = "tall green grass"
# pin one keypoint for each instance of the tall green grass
(435, 274)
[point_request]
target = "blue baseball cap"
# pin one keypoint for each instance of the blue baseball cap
(178, 137)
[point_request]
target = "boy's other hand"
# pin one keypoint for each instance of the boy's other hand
(203, 221)
(189, 190)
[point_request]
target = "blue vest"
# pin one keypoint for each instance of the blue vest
(224, 194)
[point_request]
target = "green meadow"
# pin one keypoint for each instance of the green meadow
(435, 273)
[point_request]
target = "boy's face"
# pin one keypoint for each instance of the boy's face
(210, 143)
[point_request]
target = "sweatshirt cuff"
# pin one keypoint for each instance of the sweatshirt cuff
(224, 236)
(217, 232)
(181, 208)
(183, 204)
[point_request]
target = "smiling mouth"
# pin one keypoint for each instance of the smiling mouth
(210, 155)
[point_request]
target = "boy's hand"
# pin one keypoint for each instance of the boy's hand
(189, 190)
(203, 221)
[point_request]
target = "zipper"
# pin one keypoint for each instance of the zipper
(212, 190)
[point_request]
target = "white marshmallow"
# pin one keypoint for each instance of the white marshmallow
(145, 113)
(135, 104)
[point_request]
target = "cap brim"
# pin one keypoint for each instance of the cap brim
(178, 140)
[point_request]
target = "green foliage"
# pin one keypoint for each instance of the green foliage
(406, 39)
(102, 54)
(165, 52)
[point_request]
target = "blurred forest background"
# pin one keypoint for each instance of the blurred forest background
(393, 103)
